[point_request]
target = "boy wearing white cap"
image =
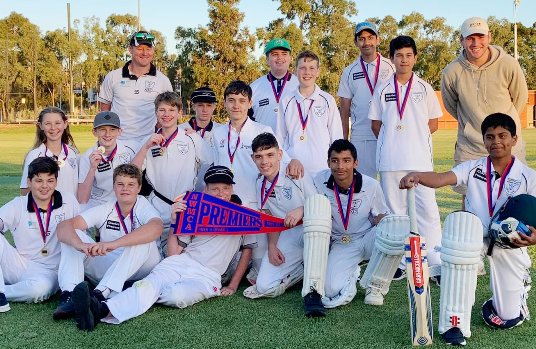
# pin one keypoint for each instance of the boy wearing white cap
(356, 88)
(98, 162)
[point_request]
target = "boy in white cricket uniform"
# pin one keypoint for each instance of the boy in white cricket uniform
(490, 182)
(357, 205)
(29, 271)
(283, 197)
(233, 150)
(404, 112)
(203, 102)
(358, 81)
(311, 119)
(127, 249)
(171, 158)
(98, 162)
(190, 274)
(270, 89)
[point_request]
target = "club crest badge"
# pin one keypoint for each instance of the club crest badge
(319, 110)
(149, 86)
(183, 148)
(287, 193)
(355, 206)
(60, 217)
(512, 186)
(384, 74)
(417, 97)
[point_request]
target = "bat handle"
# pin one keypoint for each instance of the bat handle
(412, 212)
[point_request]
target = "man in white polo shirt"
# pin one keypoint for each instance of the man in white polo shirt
(29, 271)
(356, 88)
(311, 119)
(270, 89)
(130, 91)
(98, 162)
(404, 112)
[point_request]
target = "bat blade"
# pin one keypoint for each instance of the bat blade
(420, 307)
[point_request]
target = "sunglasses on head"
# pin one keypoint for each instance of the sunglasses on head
(143, 37)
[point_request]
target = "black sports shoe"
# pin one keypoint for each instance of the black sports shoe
(400, 274)
(312, 304)
(4, 305)
(98, 306)
(65, 309)
(454, 336)
(83, 315)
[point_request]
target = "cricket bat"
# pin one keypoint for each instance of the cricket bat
(420, 307)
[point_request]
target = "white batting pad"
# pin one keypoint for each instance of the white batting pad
(317, 232)
(388, 251)
(460, 255)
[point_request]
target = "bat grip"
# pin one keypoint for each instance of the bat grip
(412, 212)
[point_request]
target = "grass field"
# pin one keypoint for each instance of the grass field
(236, 322)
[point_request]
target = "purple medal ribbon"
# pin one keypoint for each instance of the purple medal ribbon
(232, 155)
(170, 138)
(110, 157)
(43, 229)
(491, 206)
(376, 73)
(266, 194)
(122, 218)
(202, 129)
(345, 217)
(302, 120)
(274, 90)
(65, 150)
(406, 95)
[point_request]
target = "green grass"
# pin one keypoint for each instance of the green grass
(236, 322)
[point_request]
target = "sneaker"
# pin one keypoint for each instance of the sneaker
(436, 279)
(82, 300)
(373, 296)
(454, 336)
(312, 305)
(400, 274)
(4, 305)
(65, 309)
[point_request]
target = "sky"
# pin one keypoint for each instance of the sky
(166, 15)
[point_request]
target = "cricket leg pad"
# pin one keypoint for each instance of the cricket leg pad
(386, 255)
(460, 256)
(316, 238)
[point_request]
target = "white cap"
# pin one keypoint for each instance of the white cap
(474, 25)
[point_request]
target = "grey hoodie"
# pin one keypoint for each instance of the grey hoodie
(471, 93)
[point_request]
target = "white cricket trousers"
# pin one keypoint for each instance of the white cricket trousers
(366, 155)
(111, 270)
(23, 280)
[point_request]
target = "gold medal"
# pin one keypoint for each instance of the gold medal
(345, 239)
(276, 110)
(44, 252)
(162, 151)
(60, 162)
(302, 138)
(101, 150)
(399, 127)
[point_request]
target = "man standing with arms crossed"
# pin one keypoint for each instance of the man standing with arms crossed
(269, 89)
(356, 88)
(482, 80)
(130, 91)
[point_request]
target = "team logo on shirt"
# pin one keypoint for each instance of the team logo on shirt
(264, 102)
(359, 75)
(125, 83)
(384, 73)
(355, 206)
(149, 86)
(72, 162)
(124, 158)
(60, 217)
(512, 186)
(390, 97)
(287, 192)
(417, 97)
(183, 148)
(222, 143)
(319, 110)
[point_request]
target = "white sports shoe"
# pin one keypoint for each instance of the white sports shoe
(373, 296)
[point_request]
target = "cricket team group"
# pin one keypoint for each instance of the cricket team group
(96, 226)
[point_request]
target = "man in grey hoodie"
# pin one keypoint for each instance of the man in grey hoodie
(482, 80)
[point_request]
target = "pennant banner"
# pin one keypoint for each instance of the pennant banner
(208, 215)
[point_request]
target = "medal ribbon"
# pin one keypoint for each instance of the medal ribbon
(110, 157)
(274, 90)
(491, 206)
(122, 219)
(196, 128)
(170, 138)
(265, 195)
(65, 150)
(376, 73)
(232, 155)
(43, 229)
(406, 95)
(300, 113)
(345, 217)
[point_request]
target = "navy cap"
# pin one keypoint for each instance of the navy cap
(219, 174)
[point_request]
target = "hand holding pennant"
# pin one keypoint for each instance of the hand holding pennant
(209, 215)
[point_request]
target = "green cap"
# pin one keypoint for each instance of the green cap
(277, 43)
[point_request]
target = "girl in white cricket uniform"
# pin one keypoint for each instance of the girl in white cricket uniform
(53, 139)
(29, 271)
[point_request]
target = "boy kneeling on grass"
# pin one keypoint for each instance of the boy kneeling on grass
(491, 181)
